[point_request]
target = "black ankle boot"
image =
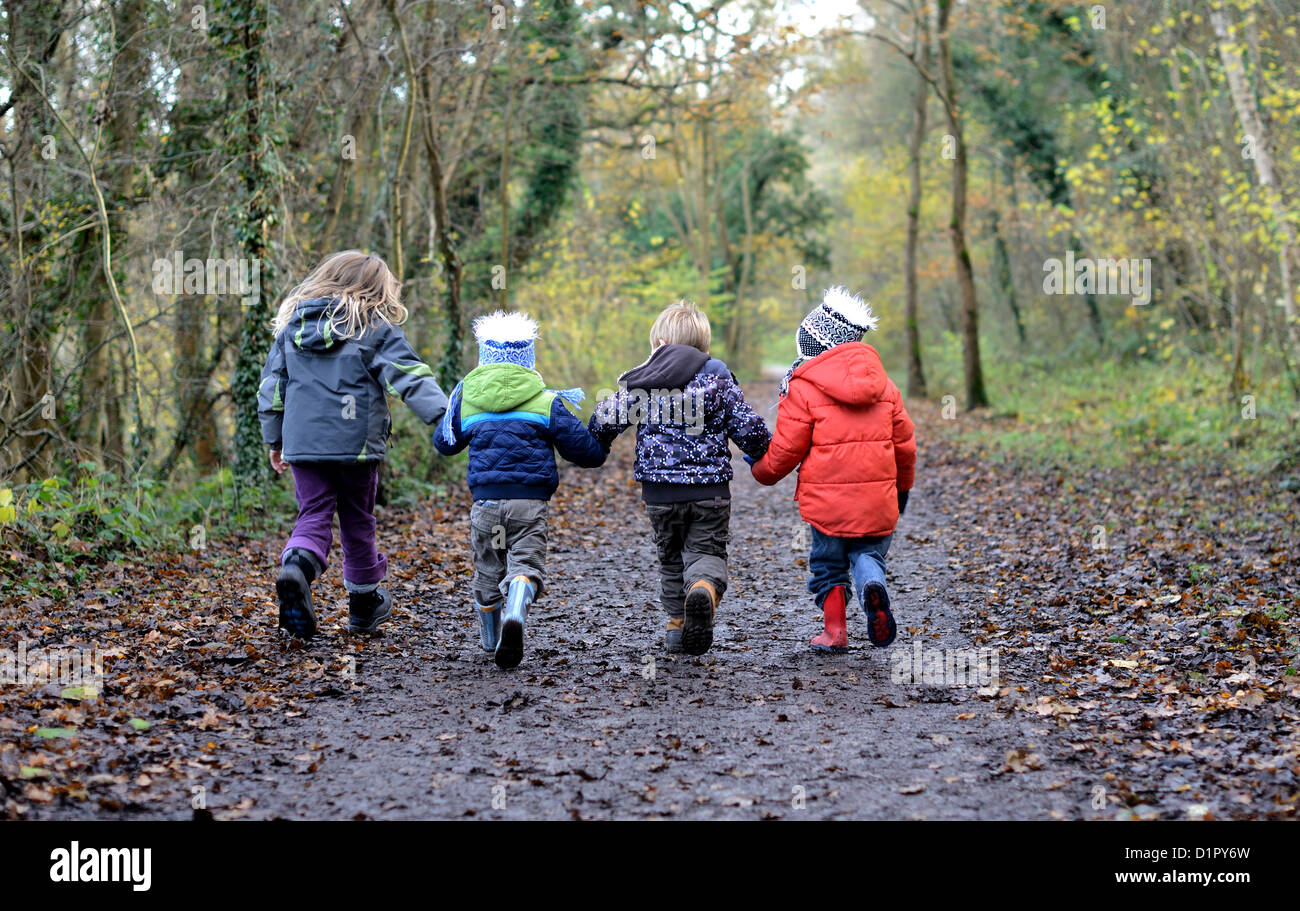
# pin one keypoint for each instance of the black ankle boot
(297, 614)
(366, 610)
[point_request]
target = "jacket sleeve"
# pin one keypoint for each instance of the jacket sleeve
(609, 419)
(270, 395)
(572, 440)
(790, 443)
(904, 442)
(449, 425)
(399, 370)
(744, 426)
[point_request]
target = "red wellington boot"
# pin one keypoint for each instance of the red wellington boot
(835, 639)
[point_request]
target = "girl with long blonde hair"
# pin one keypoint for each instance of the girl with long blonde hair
(339, 352)
(362, 288)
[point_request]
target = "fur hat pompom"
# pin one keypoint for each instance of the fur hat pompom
(506, 338)
(841, 317)
(505, 327)
(850, 307)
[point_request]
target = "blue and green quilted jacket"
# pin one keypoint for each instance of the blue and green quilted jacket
(514, 426)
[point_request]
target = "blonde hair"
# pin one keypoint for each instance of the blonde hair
(682, 324)
(365, 291)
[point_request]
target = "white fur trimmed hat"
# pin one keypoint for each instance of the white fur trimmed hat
(841, 317)
(506, 338)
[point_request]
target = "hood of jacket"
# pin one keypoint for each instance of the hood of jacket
(669, 367)
(310, 329)
(850, 373)
(501, 387)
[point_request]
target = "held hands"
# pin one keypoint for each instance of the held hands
(278, 463)
(902, 501)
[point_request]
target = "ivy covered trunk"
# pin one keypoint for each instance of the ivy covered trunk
(28, 318)
(100, 423)
(243, 37)
(976, 396)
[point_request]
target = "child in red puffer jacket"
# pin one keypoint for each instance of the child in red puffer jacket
(842, 420)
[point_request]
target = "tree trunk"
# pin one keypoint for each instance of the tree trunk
(747, 201)
(976, 396)
(1090, 299)
(503, 189)
(449, 368)
(1243, 100)
(911, 320)
(34, 36)
(251, 467)
(1240, 382)
(1002, 259)
(398, 189)
(339, 186)
(121, 129)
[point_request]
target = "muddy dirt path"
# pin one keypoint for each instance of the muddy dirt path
(599, 722)
(1151, 677)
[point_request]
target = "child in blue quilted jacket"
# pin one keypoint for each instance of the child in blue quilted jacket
(685, 405)
(513, 427)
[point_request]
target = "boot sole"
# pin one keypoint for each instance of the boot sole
(697, 627)
(830, 649)
(510, 649)
(878, 603)
(296, 614)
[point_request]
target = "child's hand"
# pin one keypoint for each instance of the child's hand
(902, 501)
(277, 462)
(750, 460)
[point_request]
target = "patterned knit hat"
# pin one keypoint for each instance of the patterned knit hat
(503, 338)
(840, 317)
(506, 338)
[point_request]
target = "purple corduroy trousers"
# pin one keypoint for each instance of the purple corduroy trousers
(324, 488)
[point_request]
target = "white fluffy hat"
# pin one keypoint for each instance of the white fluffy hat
(506, 338)
(840, 317)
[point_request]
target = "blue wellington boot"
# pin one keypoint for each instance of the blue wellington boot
(510, 647)
(489, 619)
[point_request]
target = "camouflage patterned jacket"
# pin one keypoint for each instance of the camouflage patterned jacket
(685, 406)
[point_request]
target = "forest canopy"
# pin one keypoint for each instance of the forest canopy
(1082, 216)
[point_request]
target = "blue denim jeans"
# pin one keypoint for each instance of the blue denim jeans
(851, 562)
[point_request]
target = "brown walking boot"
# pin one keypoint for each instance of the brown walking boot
(701, 608)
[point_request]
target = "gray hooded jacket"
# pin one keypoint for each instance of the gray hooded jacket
(324, 399)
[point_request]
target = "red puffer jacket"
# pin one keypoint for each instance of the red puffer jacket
(843, 419)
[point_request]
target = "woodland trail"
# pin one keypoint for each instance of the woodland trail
(599, 722)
